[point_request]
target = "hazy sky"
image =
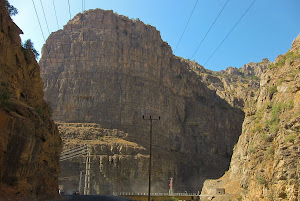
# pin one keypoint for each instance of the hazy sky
(266, 30)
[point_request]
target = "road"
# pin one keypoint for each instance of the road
(92, 198)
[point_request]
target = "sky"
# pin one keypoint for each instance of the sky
(245, 31)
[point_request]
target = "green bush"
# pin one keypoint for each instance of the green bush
(10, 9)
(291, 137)
(28, 46)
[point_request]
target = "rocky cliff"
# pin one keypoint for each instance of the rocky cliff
(29, 140)
(265, 163)
(237, 86)
(107, 69)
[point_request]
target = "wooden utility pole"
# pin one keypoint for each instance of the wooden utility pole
(151, 122)
(80, 182)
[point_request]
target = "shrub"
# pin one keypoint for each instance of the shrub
(251, 148)
(272, 90)
(172, 199)
(264, 136)
(28, 45)
(40, 112)
(10, 9)
(291, 137)
(270, 152)
(258, 127)
(4, 98)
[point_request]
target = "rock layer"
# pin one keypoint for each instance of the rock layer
(29, 140)
(107, 69)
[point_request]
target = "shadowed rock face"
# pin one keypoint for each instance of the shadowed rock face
(104, 68)
(29, 140)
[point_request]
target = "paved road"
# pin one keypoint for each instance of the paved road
(93, 198)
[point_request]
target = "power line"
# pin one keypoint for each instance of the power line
(45, 16)
(210, 28)
(38, 20)
(69, 8)
(55, 14)
(186, 25)
(230, 32)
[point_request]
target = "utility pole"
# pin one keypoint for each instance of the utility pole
(151, 122)
(87, 173)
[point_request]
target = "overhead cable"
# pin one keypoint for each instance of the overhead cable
(230, 32)
(38, 20)
(210, 28)
(45, 16)
(69, 8)
(186, 26)
(55, 14)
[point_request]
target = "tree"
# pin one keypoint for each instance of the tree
(28, 45)
(11, 9)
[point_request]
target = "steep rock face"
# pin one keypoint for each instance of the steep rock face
(265, 163)
(29, 140)
(107, 69)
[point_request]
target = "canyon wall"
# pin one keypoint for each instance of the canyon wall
(29, 140)
(265, 162)
(107, 69)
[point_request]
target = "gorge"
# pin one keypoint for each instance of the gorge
(237, 129)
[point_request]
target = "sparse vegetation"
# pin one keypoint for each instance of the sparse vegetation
(28, 46)
(289, 56)
(258, 127)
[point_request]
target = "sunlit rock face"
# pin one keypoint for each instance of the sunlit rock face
(107, 69)
(29, 140)
(265, 162)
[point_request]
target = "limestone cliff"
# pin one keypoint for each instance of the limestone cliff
(265, 163)
(107, 69)
(29, 140)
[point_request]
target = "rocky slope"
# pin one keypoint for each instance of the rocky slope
(107, 69)
(265, 163)
(29, 140)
